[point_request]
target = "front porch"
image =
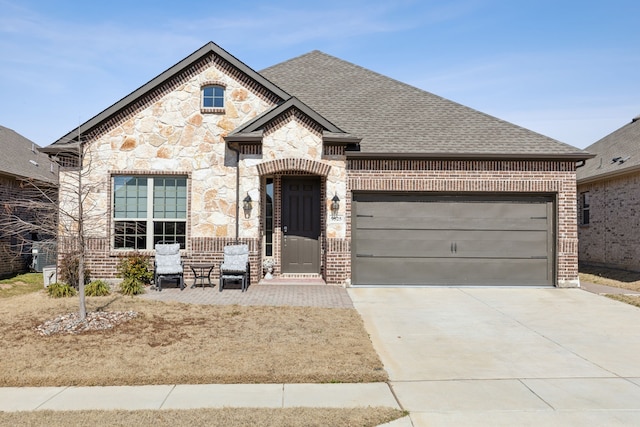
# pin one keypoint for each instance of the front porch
(285, 292)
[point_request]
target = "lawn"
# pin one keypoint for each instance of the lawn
(21, 284)
(227, 417)
(623, 279)
(173, 343)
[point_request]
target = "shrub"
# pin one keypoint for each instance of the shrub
(131, 287)
(60, 290)
(69, 270)
(97, 288)
(134, 269)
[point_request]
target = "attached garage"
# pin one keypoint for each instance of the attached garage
(462, 239)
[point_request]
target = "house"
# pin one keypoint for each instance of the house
(609, 201)
(22, 163)
(332, 171)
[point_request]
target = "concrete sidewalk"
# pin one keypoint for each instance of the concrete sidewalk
(197, 396)
(604, 290)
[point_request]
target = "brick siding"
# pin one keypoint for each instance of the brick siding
(612, 237)
(470, 177)
(448, 176)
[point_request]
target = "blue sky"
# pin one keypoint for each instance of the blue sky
(567, 69)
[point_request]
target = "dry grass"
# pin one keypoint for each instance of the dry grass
(21, 284)
(629, 299)
(622, 279)
(172, 343)
(228, 417)
(611, 277)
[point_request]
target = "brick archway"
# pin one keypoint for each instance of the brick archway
(290, 165)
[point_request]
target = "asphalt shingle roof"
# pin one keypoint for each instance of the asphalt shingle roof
(616, 153)
(394, 117)
(19, 160)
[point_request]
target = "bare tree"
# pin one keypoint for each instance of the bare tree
(77, 211)
(66, 214)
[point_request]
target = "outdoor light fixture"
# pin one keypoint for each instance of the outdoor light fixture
(335, 205)
(246, 206)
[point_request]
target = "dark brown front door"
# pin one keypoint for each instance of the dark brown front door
(301, 225)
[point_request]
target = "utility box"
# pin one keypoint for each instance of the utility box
(50, 275)
(43, 254)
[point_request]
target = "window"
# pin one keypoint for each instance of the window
(212, 97)
(147, 210)
(268, 218)
(584, 208)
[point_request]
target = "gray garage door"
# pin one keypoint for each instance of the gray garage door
(452, 240)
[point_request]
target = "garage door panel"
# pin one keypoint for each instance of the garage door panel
(506, 210)
(429, 223)
(430, 239)
(381, 247)
(446, 271)
(454, 243)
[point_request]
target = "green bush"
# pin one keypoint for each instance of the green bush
(131, 287)
(134, 269)
(97, 288)
(60, 290)
(135, 266)
(69, 270)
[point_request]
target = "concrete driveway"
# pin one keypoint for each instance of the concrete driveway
(507, 356)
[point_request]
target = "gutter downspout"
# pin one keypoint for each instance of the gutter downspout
(237, 151)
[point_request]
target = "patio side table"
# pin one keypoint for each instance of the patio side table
(201, 272)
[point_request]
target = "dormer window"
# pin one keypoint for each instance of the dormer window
(213, 98)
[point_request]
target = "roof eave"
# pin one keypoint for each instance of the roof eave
(608, 175)
(471, 156)
(340, 139)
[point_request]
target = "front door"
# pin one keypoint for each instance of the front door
(301, 225)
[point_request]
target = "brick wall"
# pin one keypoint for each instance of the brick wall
(11, 261)
(103, 262)
(517, 177)
(15, 245)
(612, 237)
(448, 176)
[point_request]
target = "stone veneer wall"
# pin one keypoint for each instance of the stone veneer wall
(450, 176)
(612, 237)
(166, 133)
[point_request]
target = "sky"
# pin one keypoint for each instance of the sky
(566, 69)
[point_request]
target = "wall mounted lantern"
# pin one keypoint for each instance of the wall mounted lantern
(246, 206)
(335, 205)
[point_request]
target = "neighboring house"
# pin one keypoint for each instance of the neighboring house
(333, 171)
(21, 162)
(609, 200)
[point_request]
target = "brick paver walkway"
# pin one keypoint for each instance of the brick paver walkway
(279, 295)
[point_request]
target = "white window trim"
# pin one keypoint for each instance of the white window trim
(149, 220)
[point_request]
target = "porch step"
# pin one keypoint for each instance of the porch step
(294, 279)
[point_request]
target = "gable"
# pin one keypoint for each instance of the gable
(167, 82)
